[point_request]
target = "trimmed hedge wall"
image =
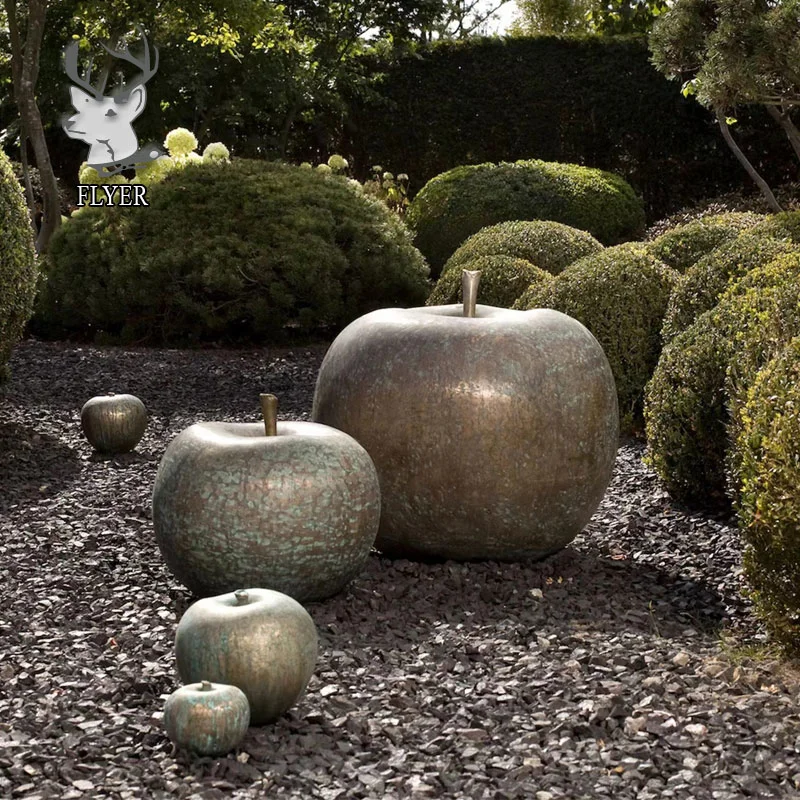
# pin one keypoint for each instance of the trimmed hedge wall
(587, 100)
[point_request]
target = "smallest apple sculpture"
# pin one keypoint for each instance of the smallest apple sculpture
(262, 641)
(114, 423)
(209, 719)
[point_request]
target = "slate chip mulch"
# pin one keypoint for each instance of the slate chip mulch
(603, 671)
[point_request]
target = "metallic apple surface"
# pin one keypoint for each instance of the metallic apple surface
(494, 431)
(296, 511)
(260, 641)
(114, 423)
(208, 719)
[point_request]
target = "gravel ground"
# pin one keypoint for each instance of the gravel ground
(600, 672)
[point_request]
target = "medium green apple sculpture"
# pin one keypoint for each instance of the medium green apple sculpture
(260, 641)
(289, 506)
(494, 432)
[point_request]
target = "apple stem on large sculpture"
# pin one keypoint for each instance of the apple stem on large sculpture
(241, 597)
(269, 408)
(469, 290)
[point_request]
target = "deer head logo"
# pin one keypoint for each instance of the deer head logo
(106, 123)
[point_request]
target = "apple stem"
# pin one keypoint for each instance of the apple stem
(269, 408)
(469, 290)
(241, 596)
(205, 686)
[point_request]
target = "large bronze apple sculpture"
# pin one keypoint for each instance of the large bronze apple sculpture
(494, 432)
(289, 506)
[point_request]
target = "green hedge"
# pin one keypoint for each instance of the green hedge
(549, 245)
(453, 206)
(18, 268)
(229, 252)
(683, 246)
(620, 295)
(783, 226)
(590, 100)
(694, 399)
(769, 502)
(503, 280)
(701, 286)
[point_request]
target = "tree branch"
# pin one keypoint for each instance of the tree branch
(745, 162)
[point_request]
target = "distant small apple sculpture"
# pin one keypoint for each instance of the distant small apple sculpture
(208, 719)
(494, 432)
(114, 423)
(261, 641)
(289, 506)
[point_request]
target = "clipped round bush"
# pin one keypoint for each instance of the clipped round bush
(551, 246)
(620, 295)
(503, 280)
(454, 205)
(230, 252)
(685, 245)
(769, 501)
(693, 402)
(701, 286)
(785, 225)
(18, 269)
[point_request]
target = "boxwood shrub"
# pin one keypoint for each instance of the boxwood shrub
(693, 401)
(18, 265)
(685, 245)
(783, 226)
(229, 252)
(769, 502)
(454, 205)
(549, 245)
(503, 280)
(620, 295)
(701, 286)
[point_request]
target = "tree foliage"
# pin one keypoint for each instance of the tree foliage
(607, 17)
(729, 53)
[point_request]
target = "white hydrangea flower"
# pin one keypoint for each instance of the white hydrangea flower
(216, 151)
(337, 163)
(180, 142)
(324, 169)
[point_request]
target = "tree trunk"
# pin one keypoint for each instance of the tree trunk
(785, 121)
(744, 161)
(25, 72)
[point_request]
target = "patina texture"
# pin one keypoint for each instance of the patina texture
(114, 423)
(208, 719)
(296, 512)
(494, 436)
(261, 641)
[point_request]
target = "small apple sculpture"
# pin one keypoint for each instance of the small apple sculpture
(494, 432)
(114, 423)
(261, 641)
(290, 506)
(209, 719)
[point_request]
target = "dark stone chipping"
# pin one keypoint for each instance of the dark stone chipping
(597, 673)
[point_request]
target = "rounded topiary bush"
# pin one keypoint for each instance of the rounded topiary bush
(503, 280)
(18, 270)
(454, 205)
(230, 252)
(693, 400)
(685, 245)
(769, 501)
(701, 286)
(551, 246)
(785, 225)
(620, 295)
